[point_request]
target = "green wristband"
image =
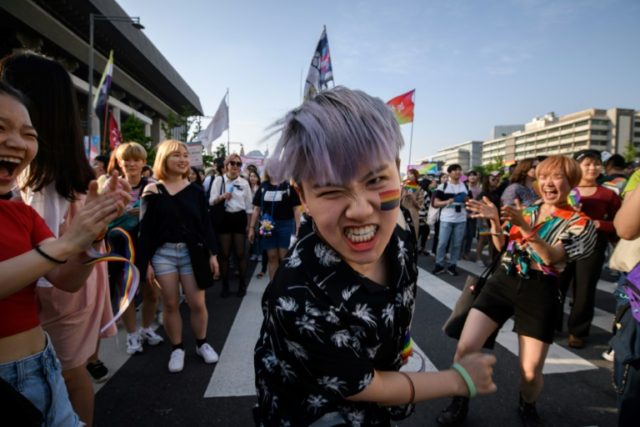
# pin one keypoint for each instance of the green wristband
(466, 377)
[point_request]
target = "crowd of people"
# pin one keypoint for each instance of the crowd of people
(336, 229)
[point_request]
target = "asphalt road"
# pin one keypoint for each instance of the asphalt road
(141, 391)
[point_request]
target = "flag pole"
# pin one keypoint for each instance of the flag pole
(412, 122)
(106, 117)
(228, 125)
(301, 87)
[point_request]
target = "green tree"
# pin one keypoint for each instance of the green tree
(630, 152)
(482, 170)
(133, 131)
(182, 120)
(495, 165)
(221, 151)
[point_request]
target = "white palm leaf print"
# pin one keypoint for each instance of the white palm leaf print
(372, 351)
(331, 316)
(331, 383)
(363, 312)
(294, 261)
(308, 325)
(296, 350)
(364, 382)
(326, 256)
(387, 314)
(341, 338)
(348, 292)
(286, 304)
(287, 371)
(316, 402)
(402, 253)
(355, 418)
(270, 361)
(311, 310)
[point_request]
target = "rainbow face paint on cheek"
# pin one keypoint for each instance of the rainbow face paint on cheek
(389, 199)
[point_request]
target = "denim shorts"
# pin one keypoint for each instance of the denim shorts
(281, 235)
(39, 378)
(172, 258)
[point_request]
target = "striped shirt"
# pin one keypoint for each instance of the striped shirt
(573, 229)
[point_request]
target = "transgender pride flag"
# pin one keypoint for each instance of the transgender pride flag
(320, 71)
(402, 107)
(102, 96)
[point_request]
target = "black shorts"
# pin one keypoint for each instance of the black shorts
(234, 223)
(533, 302)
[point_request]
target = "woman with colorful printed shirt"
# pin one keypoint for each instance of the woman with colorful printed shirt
(339, 308)
(540, 241)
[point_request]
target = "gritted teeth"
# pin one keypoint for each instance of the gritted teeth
(360, 234)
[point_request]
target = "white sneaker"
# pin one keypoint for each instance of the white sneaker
(150, 336)
(176, 361)
(134, 343)
(609, 355)
(207, 353)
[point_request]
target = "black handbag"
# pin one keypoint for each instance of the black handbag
(199, 254)
(216, 211)
(198, 250)
(473, 286)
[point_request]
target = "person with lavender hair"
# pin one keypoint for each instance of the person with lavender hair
(338, 310)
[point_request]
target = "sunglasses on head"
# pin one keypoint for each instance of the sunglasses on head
(237, 164)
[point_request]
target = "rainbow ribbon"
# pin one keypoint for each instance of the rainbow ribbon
(130, 275)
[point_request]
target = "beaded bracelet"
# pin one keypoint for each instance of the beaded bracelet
(411, 387)
(466, 377)
(47, 256)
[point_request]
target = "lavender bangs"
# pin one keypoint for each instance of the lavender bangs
(329, 137)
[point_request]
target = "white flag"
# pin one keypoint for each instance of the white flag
(219, 124)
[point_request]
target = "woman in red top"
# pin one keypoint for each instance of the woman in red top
(28, 365)
(601, 205)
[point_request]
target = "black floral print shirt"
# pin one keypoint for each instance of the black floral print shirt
(326, 328)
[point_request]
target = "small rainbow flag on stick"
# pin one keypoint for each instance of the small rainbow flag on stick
(407, 348)
(389, 199)
(573, 198)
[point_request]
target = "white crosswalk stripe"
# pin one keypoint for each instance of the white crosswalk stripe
(233, 375)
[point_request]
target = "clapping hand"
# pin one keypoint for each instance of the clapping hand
(513, 214)
(484, 209)
(94, 217)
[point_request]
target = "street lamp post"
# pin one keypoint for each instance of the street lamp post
(135, 22)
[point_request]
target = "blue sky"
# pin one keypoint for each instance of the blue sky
(474, 63)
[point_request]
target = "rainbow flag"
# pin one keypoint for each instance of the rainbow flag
(402, 107)
(411, 186)
(428, 169)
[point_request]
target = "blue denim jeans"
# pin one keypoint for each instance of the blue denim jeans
(39, 378)
(455, 232)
